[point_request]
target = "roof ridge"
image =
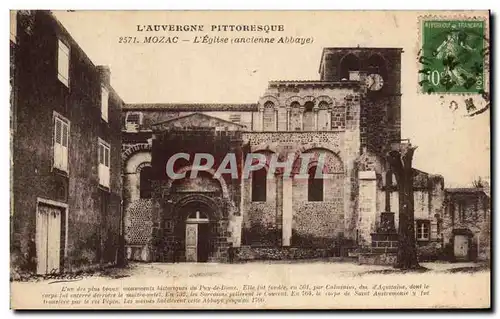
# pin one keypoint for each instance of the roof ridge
(192, 106)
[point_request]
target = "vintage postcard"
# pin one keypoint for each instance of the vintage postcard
(250, 159)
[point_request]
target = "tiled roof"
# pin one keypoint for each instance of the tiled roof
(192, 107)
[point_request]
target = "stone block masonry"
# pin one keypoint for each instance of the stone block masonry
(85, 214)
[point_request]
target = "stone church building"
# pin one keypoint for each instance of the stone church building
(350, 117)
(90, 182)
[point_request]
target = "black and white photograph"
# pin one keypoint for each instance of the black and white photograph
(250, 159)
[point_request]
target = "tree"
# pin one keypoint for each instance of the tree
(400, 161)
(478, 183)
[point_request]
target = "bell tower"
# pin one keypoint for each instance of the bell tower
(378, 70)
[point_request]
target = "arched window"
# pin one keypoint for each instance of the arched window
(376, 64)
(145, 182)
(269, 117)
(259, 185)
(308, 116)
(349, 65)
(315, 186)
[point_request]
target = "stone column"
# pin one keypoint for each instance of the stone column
(367, 197)
(288, 114)
(279, 208)
(287, 211)
(276, 118)
(302, 118)
(238, 220)
(388, 185)
(315, 109)
(261, 118)
(329, 114)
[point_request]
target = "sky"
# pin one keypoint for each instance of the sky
(449, 143)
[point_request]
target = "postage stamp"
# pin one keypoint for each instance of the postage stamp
(452, 55)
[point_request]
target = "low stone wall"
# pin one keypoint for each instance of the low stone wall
(377, 259)
(138, 253)
(245, 253)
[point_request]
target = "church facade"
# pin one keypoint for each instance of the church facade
(91, 183)
(349, 119)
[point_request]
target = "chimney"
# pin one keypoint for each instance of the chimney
(104, 74)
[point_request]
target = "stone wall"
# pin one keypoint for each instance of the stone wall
(247, 253)
(131, 178)
(175, 200)
(369, 200)
(383, 259)
(318, 223)
(344, 120)
(138, 229)
(169, 235)
(94, 212)
(312, 223)
(468, 212)
(288, 101)
(380, 119)
(378, 123)
(428, 202)
(137, 211)
(369, 212)
(261, 225)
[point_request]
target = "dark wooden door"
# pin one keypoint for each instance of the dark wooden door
(203, 242)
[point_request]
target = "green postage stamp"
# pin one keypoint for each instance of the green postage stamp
(452, 55)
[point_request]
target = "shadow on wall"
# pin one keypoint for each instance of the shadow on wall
(338, 245)
(262, 241)
(261, 234)
(437, 252)
(22, 264)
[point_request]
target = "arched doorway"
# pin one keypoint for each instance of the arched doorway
(197, 231)
(195, 224)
